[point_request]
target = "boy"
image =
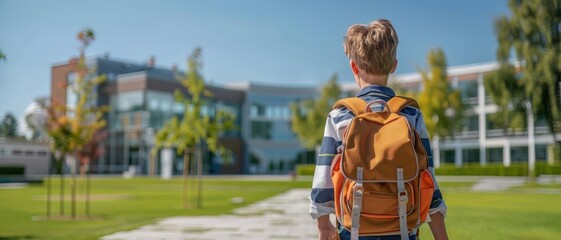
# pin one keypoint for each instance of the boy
(372, 52)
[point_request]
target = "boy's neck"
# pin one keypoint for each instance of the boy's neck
(365, 80)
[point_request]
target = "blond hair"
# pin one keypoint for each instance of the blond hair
(372, 47)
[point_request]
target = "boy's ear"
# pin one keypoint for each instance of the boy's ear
(354, 67)
(394, 66)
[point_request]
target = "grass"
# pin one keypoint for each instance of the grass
(500, 215)
(120, 204)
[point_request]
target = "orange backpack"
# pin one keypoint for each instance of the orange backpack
(381, 179)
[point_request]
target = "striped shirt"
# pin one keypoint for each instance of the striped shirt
(321, 197)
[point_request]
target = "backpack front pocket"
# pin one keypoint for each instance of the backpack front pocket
(427, 191)
(379, 204)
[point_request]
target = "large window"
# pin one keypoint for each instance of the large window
(130, 101)
(160, 106)
(470, 125)
(494, 155)
(470, 155)
(270, 111)
(519, 154)
(261, 130)
(468, 89)
(448, 156)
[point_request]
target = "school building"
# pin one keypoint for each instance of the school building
(141, 99)
(480, 140)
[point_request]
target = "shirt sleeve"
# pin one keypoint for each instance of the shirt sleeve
(437, 203)
(321, 197)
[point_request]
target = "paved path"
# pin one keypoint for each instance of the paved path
(498, 183)
(272, 218)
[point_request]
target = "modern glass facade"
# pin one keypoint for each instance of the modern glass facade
(142, 101)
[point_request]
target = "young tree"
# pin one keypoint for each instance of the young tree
(506, 90)
(9, 126)
(196, 127)
(2, 56)
(308, 116)
(442, 106)
(71, 128)
(532, 31)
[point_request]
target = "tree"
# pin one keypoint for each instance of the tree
(195, 128)
(309, 115)
(532, 33)
(505, 89)
(441, 105)
(73, 128)
(2, 56)
(9, 126)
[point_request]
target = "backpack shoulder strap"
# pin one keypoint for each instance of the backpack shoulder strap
(356, 105)
(397, 103)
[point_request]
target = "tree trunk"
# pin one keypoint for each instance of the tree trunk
(61, 178)
(88, 188)
(186, 179)
(199, 178)
(49, 186)
(73, 189)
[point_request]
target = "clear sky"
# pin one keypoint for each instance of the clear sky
(264, 41)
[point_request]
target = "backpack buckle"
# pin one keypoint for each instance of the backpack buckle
(403, 197)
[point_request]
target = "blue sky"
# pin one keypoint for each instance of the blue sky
(265, 41)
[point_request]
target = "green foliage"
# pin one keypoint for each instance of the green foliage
(497, 170)
(532, 31)
(9, 126)
(195, 127)
(12, 170)
(308, 116)
(2, 56)
(505, 89)
(73, 129)
(305, 169)
(441, 105)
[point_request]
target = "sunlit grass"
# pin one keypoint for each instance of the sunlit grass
(119, 204)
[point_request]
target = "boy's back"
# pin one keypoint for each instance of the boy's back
(371, 70)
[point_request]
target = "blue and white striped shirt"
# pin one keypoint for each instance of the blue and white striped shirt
(321, 198)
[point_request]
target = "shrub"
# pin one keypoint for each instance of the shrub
(519, 169)
(305, 169)
(12, 170)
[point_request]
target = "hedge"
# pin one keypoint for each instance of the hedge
(305, 169)
(473, 170)
(12, 170)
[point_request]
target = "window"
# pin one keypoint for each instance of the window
(16, 152)
(28, 153)
(471, 123)
(519, 154)
(261, 130)
(448, 156)
(541, 152)
(468, 89)
(130, 101)
(494, 155)
(71, 97)
(470, 155)
(41, 153)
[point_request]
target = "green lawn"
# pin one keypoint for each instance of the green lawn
(501, 215)
(120, 204)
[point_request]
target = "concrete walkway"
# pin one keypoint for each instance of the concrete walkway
(284, 216)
